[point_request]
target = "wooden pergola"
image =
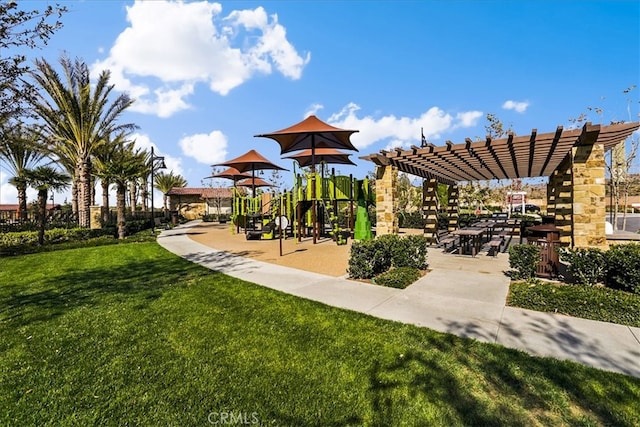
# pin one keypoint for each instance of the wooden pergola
(573, 160)
(526, 156)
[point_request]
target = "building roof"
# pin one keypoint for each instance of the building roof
(507, 158)
(204, 193)
(15, 207)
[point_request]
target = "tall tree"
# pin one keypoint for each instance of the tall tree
(43, 179)
(165, 182)
(123, 166)
(19, 152)
(78, 117)
(20, 29)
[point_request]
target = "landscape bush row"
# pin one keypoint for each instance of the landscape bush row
(390, 260)
(616, 268)
(20, 242)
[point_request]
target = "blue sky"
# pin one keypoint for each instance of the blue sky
(209, 76)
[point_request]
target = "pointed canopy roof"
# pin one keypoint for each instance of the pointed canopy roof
(254, 182)
(309, 132)
(230, 173)
(321, 155)
(250, 161)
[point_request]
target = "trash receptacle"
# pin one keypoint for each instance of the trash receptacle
(174, 217)
(547, 236)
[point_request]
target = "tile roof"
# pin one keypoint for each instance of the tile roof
(205, 193)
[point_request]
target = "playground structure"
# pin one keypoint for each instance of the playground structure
(341, 209)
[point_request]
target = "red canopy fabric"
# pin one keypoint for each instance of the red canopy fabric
(254, 182)
(231, 173)
(308, 133)
(321, 155)
(250, 161)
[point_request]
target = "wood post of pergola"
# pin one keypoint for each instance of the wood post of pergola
(453, 209)
(430, 209)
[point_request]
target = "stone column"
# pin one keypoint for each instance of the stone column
(386, 200)
(589, 209)
(95, 217)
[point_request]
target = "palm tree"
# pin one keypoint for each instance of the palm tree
(78, 118)
(165, 182)
(42, 179)
(105, 154)
(124, 165)
(19, 152)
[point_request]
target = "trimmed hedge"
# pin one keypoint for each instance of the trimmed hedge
(623, 267)
(524, 260)
(371, 258)
(587, 266)
(400, 277)
(368, 258)
(18, 242)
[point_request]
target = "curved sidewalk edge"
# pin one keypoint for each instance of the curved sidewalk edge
(466, 304)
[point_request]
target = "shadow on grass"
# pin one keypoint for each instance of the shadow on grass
(526, 389)
(145, 280)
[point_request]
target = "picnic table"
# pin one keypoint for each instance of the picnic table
(488, 225)
(470, 239)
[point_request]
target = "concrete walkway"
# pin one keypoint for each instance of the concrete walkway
(460, 295)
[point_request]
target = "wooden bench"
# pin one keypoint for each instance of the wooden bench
(448, 240)
(494, 245)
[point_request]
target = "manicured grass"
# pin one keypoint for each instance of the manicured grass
(588, 302)
(133, 335)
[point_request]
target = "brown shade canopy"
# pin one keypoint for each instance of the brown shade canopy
(230, 173)
(254, 182)
(322, 155)
(250, 161)
(309, 132)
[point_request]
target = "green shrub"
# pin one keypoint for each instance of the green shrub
(414, 254)
(623, 267)
(21, 242)
(587, 266)
(411, 219)
(136, 225)
(524, 260)
(367, 259)
(373, 257)
(400, 277)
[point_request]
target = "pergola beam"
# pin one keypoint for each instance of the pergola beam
(506, 158)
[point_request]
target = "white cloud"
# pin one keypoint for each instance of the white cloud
(468, 119)
(313, 110)
(208, 149)
(172, 163)
(400, 131)
(519, 107)
(170, 46)
(9, 193)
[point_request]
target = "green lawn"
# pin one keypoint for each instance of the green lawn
(130, 334)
